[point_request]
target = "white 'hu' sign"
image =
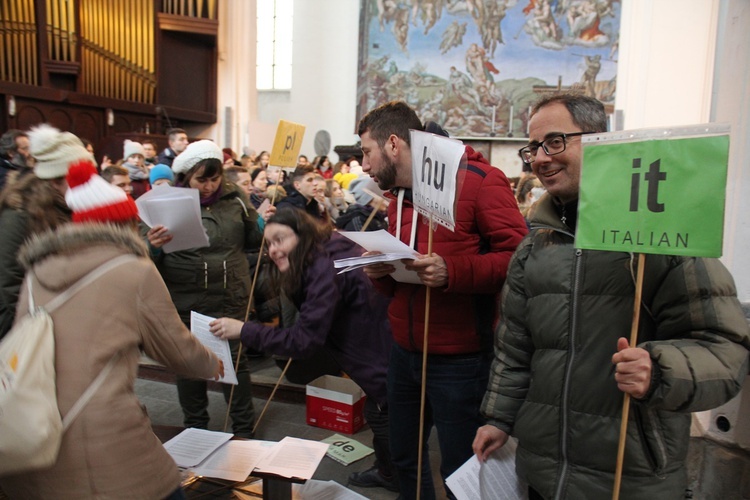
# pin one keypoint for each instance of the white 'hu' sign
(435, 162)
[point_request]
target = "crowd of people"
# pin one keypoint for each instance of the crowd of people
(527, 334)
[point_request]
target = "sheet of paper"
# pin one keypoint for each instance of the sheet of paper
(312, 489)
(495, 479)
(177, 209)
(234, 461)
(325, 490)
(384, 242)
(294, 457)
(199, 327)
(191, 446)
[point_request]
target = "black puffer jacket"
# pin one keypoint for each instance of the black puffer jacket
(552, 383)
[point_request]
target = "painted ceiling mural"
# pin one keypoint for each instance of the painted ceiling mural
(475, 66)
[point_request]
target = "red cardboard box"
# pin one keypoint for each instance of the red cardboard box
(335, 403)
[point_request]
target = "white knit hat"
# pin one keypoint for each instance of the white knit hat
(195, 152)
(55, 151)
(92, 199)
(132, 148)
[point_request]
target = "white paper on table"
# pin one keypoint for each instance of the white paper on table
(191, 446)
(177, 209)
(494, 479)
(293, 457)
(234, 461)
(312, 489)
(325, 490)
(384, 242)
(220, 347)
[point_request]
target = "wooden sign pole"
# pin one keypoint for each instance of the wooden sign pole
(420, 453)
(239, 349)
(626, 397)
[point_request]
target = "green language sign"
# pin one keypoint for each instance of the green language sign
(657, 196)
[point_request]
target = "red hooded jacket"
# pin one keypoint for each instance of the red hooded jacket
(488, 229)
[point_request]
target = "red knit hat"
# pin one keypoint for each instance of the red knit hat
(92, 199)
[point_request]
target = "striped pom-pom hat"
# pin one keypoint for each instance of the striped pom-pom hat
(92, 199)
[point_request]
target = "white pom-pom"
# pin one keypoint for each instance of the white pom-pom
(42, 137)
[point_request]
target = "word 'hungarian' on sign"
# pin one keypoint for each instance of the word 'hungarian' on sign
(432, 206)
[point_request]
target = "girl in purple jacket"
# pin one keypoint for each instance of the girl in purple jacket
(340, 312)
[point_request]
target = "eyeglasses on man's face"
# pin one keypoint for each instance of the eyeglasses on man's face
(552, 145)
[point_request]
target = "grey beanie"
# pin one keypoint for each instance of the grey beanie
(131, 148)
(357, 188)
(55, 151)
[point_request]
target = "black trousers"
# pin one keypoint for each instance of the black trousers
(194, 399)
(377, 418)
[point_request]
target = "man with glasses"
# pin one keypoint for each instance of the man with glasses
(562, 359)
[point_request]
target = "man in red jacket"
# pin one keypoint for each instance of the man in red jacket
(466, 271)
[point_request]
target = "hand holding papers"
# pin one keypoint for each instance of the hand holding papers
(391, 250)
(199, 327)
(177, 209)
(494, 479)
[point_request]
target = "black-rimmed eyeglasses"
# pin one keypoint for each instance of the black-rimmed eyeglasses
(552, 145)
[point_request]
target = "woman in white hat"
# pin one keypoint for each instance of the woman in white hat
(212, 280)
(31, 203)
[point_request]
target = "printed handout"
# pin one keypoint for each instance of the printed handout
(495, 479)
(235, 460)
(199, 327)
(191, 446)
(177, 209)
(293, 457)
(384, 242)
(312, 489)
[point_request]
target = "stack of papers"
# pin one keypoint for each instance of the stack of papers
(192, 446)
(212, 454)
(311, 490)
(390, 249)
(177, 209)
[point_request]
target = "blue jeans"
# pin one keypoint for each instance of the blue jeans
(455, 388)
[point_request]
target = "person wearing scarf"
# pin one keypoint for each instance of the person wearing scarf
(212, 280)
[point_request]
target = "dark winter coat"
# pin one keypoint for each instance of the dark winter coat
(552, 383)
(354, 218)
(295, 199)
(215, 280)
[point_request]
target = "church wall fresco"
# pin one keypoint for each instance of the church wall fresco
(475, 66)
